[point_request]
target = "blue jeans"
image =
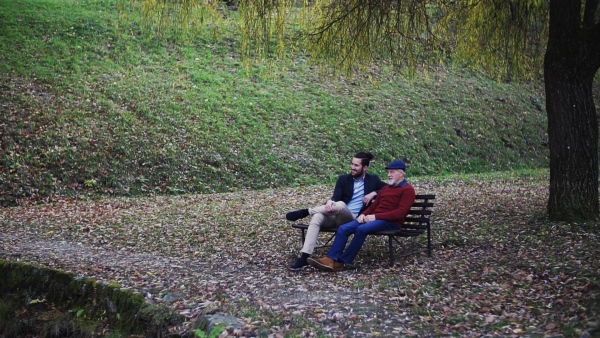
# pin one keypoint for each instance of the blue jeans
(360, 231)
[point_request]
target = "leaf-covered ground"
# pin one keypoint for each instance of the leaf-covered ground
(498, 269)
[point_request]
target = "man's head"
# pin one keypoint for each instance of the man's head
(395, 172)
(360, 163)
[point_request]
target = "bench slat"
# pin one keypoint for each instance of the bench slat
(425, 206)
(415, 226)
(419, 212)
(403, 232)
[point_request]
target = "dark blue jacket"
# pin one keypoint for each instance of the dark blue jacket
(344, 187)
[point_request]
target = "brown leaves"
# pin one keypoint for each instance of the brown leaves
(498, 268)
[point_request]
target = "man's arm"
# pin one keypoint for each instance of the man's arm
(375, 184)
(338, 191)
(367, 199)
(369, 210)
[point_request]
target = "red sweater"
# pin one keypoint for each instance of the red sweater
(392, 203)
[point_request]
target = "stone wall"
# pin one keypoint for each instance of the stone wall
(36, 299)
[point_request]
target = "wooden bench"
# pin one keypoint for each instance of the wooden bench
(418, 222)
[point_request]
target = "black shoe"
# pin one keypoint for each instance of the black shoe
(296, 215)
(300, 263)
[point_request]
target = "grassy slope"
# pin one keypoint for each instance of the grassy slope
(91, 104)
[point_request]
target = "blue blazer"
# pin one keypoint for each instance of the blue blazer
(344, 187)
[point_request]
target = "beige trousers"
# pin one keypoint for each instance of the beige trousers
(322, 218)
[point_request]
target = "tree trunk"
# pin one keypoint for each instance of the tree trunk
(569, 69)
(573, 140)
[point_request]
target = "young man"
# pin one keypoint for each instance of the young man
(351, 195)
(387, 213)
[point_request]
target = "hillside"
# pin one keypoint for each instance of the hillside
(91, 104)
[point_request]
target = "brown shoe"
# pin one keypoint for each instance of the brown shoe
(337, 266)
(326, 264)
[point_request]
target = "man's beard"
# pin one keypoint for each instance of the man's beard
(358, 174)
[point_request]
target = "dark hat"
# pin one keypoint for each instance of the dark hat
(396, 164)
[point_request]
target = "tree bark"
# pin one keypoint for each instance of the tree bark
(569, 69)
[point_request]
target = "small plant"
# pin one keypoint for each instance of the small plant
(90, 183)
(214, 333)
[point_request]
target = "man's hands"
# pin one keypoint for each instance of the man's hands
(367, 199)
(329, 205)
(365, 218)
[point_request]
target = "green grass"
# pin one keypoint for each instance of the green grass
(92, 105)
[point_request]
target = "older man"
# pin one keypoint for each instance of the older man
(352, 193)
(387, 212)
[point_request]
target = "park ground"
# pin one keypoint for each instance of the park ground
(499, 267)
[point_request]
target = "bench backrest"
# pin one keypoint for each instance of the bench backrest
(418, 216)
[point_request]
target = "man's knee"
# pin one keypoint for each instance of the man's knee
(339, 205)
(317, 220)
(361, 231)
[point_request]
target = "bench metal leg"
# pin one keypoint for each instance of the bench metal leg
(303, 236)
(327, 242)
(391, 250)
(429, 241)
